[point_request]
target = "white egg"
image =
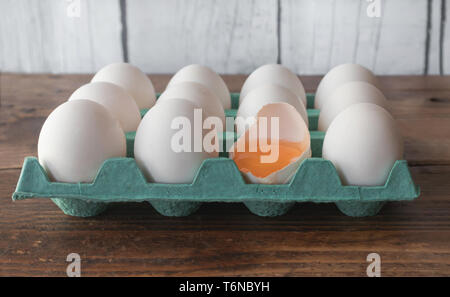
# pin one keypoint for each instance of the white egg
(263, 95)
(339, 75)
(198, 94)
(132, 79)
(273, 74)
(157, 146)
(363, 143)
(75, 140)
(348, 94)
(207, 77)
(115, 99)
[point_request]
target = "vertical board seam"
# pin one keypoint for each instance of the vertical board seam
(124, 33)
(441, 36)
(358, 29)
(279, 32)
(378, 37)
(333, 32)
(427, 37)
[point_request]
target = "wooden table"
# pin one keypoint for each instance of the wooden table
(412, 238)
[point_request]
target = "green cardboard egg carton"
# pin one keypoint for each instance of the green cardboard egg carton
(217, 180)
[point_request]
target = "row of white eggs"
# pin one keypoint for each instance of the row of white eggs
(80, 134)
(72, 159)
(77, 137)
(362, 139)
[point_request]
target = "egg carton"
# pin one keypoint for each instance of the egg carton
(217, 180)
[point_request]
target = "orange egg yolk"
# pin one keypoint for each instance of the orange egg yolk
(248, 161)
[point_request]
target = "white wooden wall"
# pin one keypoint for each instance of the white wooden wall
(231, 36)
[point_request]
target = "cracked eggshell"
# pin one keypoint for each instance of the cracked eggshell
(207, 77)
(132, 79)
(346, 95)
(339, 75)
(198, 94)
(75, 140)
(273, 74)
(292, 128)
(363, 143)
(154, 151)
(263, 95)
(115, 99)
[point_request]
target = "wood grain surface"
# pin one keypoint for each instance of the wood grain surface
(412, 238)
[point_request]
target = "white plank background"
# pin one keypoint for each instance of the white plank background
(231, 36)
(318, 34)
(38, 36)
(401, 44)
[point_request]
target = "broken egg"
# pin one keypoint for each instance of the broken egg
(272, 149)
(261, 96)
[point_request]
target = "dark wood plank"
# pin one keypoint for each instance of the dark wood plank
(412, 238)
